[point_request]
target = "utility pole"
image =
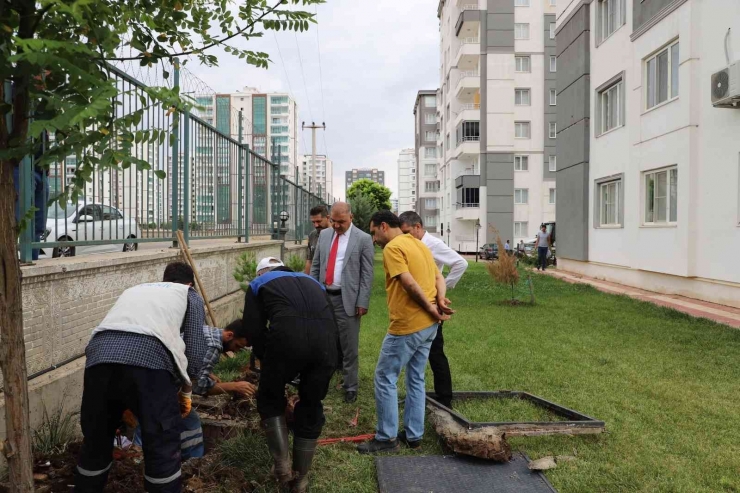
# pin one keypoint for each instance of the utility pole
(313, 128)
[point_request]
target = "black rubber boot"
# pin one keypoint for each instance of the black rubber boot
(303, 452)
(276, 431)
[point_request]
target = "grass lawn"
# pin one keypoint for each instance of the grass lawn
(667, 386)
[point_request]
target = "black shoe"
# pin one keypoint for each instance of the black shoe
(350, 396)
(377, 447)
(412, 444)
(446, 403)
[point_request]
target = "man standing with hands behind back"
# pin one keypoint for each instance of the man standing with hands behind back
(320, 221)
(343, 263)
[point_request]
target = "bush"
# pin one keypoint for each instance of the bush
(56, 432)
(296, 263)
(246, 269)
(504, 270)
(152, 225)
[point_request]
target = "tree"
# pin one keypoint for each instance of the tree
(362, 210)
(55, 54)
(378, 194)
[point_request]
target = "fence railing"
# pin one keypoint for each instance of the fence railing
(215, 186)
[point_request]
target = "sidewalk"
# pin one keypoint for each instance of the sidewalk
(696, 308)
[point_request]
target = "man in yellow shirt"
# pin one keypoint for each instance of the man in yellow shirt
(416, 303)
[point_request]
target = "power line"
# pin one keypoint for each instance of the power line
(282, 62)
(303, 74)
(321, 74)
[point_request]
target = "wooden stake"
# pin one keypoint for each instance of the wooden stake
(186, 253)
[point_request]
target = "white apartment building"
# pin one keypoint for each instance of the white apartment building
(648, 166)
(406, 180)
(497, 120)
(324, 175)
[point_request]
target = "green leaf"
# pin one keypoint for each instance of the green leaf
(161, 174)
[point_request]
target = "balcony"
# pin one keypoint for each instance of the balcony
(467, 179)
(467, 147)
(467, 211)
(468, 112)
(468, 54)
(468, 23)
(468, 85)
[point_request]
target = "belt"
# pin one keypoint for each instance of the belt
(335, 292)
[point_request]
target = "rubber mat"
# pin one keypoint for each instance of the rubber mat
(450, 474)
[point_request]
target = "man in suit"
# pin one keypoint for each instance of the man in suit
(343, 263)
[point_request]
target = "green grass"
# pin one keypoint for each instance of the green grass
(667, 386)
(496, 410)
(230, 369)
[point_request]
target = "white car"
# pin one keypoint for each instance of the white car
(88, 222)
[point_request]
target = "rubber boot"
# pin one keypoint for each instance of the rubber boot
(276, 431)
(303, 452)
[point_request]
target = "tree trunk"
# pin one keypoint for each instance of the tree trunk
(17, 446)
(485, 443)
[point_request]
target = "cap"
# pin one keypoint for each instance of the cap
(269, 263)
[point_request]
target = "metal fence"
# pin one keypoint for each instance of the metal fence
(215, 187)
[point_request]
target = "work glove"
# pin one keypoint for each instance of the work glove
(186, 403)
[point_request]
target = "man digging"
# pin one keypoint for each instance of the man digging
(290, 323)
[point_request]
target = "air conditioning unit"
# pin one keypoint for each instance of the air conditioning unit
(726, 87)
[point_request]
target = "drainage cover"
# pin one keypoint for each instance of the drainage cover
(450, 474)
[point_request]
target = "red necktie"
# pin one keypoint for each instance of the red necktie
(332, 262)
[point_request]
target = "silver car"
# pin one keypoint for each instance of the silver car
(88, 222)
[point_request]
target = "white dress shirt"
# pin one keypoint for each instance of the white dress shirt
(444, 255)
(341, 251)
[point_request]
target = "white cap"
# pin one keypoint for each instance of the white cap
(269, 263)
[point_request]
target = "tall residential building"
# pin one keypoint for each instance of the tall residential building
(648, 166)
(497, 119)
(394, 207)
(407, 180)
(374, 174)
(324, 175)
(427, 190)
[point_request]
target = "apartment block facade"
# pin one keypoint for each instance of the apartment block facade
(324, 173)
(407, 183)
(497, 120)
(374, 174)
(648, 167)
(428, 187)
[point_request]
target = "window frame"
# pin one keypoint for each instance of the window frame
(525, 124)
(523, 162)
(525, 3)
(598, 211)
(427, 118)
(552, 130)
(523, 196)
(668, 50)
(553, 58)
(552, 159)
(552, 30)
(553, 196)
(643, 200)
(529, 64)
(602, 19)
(618, 81)
(525, 225)
(519, 26)
(553, 97)
(520, 92)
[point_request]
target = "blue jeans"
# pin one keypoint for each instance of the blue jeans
(399, 352)
(542, 258)
(40, 198)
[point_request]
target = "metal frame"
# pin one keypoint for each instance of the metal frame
(577, 423)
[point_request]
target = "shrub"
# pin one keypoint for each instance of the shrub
(246, 269)
(56, 432)
(296, 263)
(504, 270)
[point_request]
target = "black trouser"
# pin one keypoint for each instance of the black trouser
(441, 369)
(293, 346)
(152, 396)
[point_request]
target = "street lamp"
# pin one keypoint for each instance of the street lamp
(448, 235)
(284, 216)
(477, 230)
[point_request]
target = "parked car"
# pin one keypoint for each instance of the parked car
(489, 251)
(87, 222)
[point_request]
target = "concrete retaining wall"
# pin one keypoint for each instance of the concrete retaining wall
(65, 299)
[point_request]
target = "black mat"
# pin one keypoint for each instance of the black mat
(449, 474)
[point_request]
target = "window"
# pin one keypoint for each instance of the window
(430, 152)
(610, 107)
(609, 207)
(553, 64)
(553, 97)
(521, 3)
(661, 196)
(523, 64)
(611, 16)
(430, 204)
(553, 133)
(521, 97)
(552, 164)
(521, 195)
(279, 129)
(430, 136)
(522, 130)
(661, 76)
(521, 163)
(430, 101)
(552, 30)
(431, 186)
(430, 119)
(430, 169)
(521, 229)
(430, 221)
(521, 31)
(447, 113)
(467, 132)
(278, 99)
(552, 196)
(553, 3)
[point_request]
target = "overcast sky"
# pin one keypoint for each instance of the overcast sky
(375, 56)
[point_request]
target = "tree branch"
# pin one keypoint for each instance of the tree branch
(206, 47)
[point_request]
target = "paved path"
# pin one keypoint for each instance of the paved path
(696, 308)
